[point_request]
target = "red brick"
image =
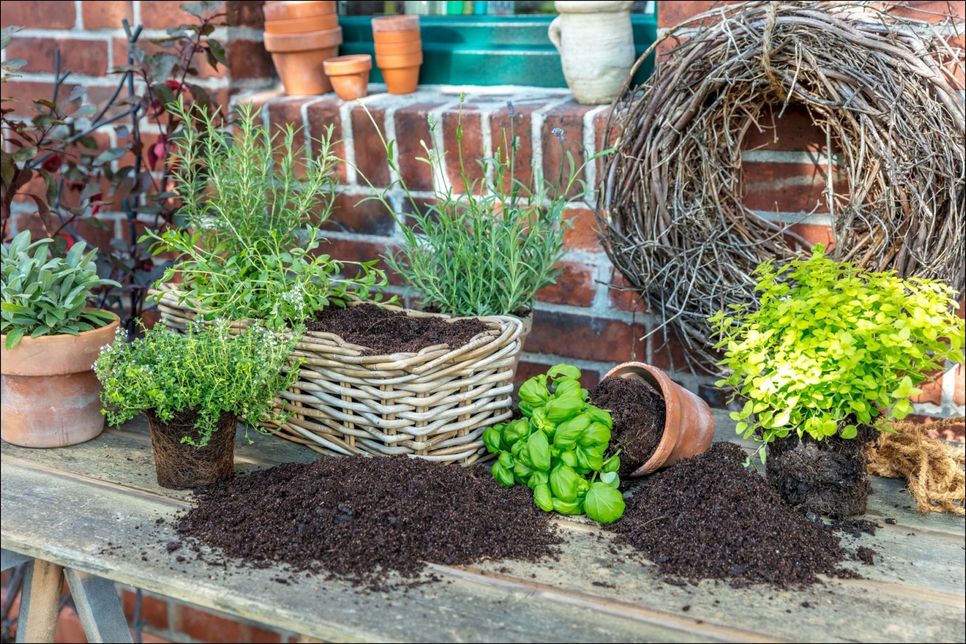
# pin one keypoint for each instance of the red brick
(321, 114)
(248, 59)
(284, 112)
(568, 121)
(959, 395)
(69, 628)
(209, 627)
(584, 337)
(507, 124)
(787, 187)
(86, 57)
(813, 234)
(602, 141)
(151, 638)
(582, 235)
(105, 14)
(244, 13)
(370, 151)
(351, 214)
(928, 10)
(793, 130)
(412, 132)
(350, 250)
(468, 122)
(575, 286)
(622, 295)
(670, 14)
(932, 390)
(666, 352)
(159, 14)
(154, 611)
(588, 377)
(38, 15)
(21, 95)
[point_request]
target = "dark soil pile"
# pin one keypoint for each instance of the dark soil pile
(382, 331)
(708, 517)
(361, 518)
(638, 412)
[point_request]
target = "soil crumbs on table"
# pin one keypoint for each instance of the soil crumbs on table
(709, 517)
(638, 413)
(383, 331)
(363, 518)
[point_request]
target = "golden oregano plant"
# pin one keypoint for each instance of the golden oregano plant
(830, 347)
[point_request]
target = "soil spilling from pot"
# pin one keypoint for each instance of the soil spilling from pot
(709, 517)
(182, 466)
(827, 478)
(638, 413)
(383, 331)
(363, 518)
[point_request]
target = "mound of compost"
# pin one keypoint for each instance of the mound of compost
(383, 331)
(708, 517)
(638, 413)
(363, 518)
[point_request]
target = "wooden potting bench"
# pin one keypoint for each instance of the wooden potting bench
(91, 511)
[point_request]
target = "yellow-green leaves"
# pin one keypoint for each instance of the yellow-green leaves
(558, 448)
(831, 347)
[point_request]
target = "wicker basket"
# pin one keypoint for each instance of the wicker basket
(433, 404)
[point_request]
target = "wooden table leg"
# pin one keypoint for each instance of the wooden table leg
(98, 607)
(39, 602)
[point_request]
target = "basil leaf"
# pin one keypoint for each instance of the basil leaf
(502, 474)
(563, 371)
(568, 432)
(538, 448)
(542, 497)
(565, 482)
(611, 479)
(603, 503)
(595, 434)
(567, 507)
(491, 438)
(612, 464)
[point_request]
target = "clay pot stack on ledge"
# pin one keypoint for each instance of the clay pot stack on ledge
(301, 36)
(399, 52)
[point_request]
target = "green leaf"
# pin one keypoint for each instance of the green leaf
(502, 474)
(538, 449)
(567, 432)
(542, 497)
(604, 503)
(13, 338)
(567, 507)
(564, 482)
(564, 371)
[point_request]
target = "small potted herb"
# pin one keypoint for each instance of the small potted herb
(828, 350)
(50, 340)
(193, 387)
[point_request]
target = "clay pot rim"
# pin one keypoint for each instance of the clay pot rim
(305, 41)
(297, 25)
(12, 362)
(399, 61)
(592, 6)
(395, 23)
(347, 65)
(290, 9)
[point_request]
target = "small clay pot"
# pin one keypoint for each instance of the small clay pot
(401, 80)
(399, 48)
(296, 10)
(182, 466)
(349, 75)
(302, 25)
(385, 24)
(49, 395)
(388, 37)
(688, 423)
(399, 60)
(298, 59)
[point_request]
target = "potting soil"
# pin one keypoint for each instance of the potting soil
(709, 517)
(362, 518)
(638, 413)
(383, 331)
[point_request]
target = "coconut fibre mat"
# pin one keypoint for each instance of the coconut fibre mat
(709, 517)
(361, 519)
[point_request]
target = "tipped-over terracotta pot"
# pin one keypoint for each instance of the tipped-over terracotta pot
(299, 57)
(349, 75)
(296, 10)
(49, 394)
(688, 423)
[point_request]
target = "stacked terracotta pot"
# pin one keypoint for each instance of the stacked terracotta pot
(301, 36)
(399, 52)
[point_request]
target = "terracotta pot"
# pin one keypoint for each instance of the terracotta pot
(296, 10)
(349, 75)
(388, 37)
(385, 24)
(400, 60)
(688, 423)
(401, 80)
(301, 25)
(49, 395)
(181, 466)
(298, 59)
(397, 48)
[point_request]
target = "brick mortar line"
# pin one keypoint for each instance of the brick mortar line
(224, 82)
(589, 145)
(78, 14)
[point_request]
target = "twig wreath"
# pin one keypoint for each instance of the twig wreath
(883, 89)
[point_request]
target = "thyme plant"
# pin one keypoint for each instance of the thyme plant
(252, 203)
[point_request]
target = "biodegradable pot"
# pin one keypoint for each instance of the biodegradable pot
(688, 423)
(181, 466)
(49, 395)
(301, 25)
(349, 75)
(397, 48)
(297, 10)
(596, 45)
(827, 477)
(299, 57)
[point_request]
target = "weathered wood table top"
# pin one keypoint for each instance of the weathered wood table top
(67, 505)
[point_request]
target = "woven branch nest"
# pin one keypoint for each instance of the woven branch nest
(433, 404)
(671, 208)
